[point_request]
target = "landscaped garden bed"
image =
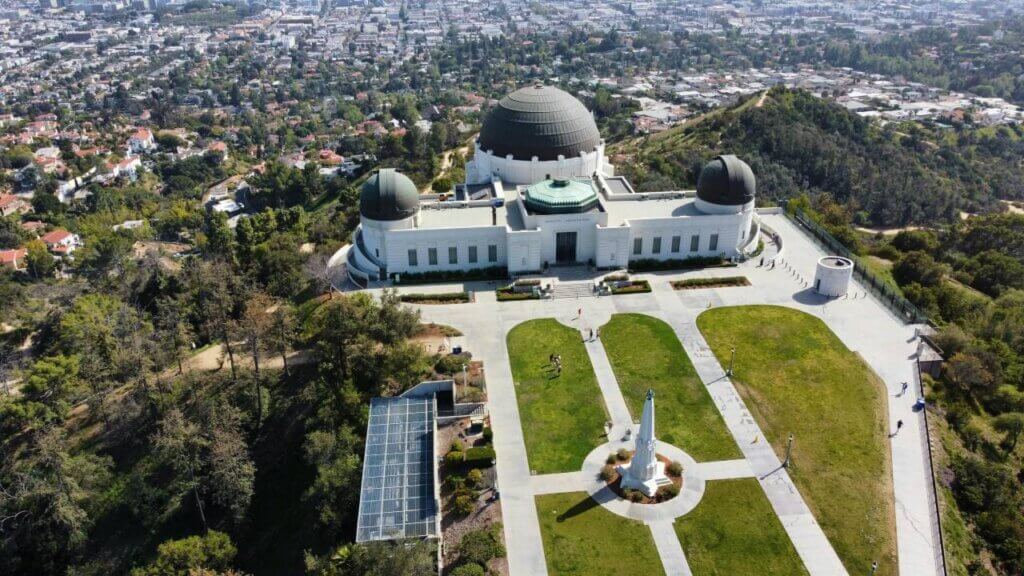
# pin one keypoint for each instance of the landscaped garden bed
(524, 289)
(652, 265)
(610, 474)
(723, 282)
(631, 287)
(439, 298)
(476, 274)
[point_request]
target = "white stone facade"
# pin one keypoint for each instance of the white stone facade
(485, 166)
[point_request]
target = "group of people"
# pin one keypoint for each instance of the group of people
(556, 361)
(593, 334)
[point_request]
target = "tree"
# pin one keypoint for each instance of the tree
(335, 457)
(232, 474)
(211, 551)
(320, 273)
(969, 373)
(180, 445)
(53, 382)
(43, 498)
(254, 326)
(282, 332)
(918, 267)
(416, 558)
(38, 259)
(1012, 424)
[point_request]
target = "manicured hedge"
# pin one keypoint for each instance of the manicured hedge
(508, 294)
(440, 298)
(492, 273)
(691, 283)
(636, 287)
(649, 264)
(480, 456)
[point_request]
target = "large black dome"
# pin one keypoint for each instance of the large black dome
(727, 181)
(540, 121)
(388, 195)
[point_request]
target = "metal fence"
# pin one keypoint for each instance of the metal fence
(885, 293)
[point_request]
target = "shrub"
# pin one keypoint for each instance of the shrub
(457, 445)
(475, 477)
(675, 468)
(464, 505)
(480, 546)
(611, 459)
(622, 455)
(688, 263)
(469, 570)
(667, 492)
(439, 298)
(480, 456)
(635, 287)
(488, 434)
(493, 273)
(607, 472)
(454, 458)
(634, 495)
(452, 363)
(710, 282)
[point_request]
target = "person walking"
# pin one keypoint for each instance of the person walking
(591, 334)
(899, 425)
(579, 313)
(762, 262)
(904, 390)
(598, 333)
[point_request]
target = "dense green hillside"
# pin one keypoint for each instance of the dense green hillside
(795, 142)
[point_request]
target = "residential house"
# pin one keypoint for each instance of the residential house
(11, 204)
(141, 141)
(61, 242)
(14, 258)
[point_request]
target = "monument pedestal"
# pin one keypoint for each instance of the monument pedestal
(650, 486)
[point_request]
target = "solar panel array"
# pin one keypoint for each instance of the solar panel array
(397, 499)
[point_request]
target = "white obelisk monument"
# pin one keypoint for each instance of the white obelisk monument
(644, 472)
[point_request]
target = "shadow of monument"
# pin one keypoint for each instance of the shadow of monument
(580, 507)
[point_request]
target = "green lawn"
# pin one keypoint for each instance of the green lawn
(582, 538)
(735, 532)
(562, 416)
(796, 376)
(645, 353)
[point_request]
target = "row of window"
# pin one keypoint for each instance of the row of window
(453, 255)
(638, 244)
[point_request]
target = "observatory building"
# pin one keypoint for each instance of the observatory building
(540, 192)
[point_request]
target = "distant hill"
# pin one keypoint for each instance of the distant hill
(795, 142)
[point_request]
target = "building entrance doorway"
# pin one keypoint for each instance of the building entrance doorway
(565, 247)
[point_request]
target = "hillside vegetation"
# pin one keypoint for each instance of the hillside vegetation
(797, 143)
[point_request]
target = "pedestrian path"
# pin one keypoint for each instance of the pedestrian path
(557, 483)
(671, 551)
(726, 469)
(618, 411)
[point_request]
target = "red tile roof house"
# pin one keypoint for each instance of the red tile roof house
(11, 204)
(61, 242)
(141, 141)
(13, 259)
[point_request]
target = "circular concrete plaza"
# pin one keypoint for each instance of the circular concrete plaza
(691, 493)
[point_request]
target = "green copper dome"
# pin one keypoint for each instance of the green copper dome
(561, 196)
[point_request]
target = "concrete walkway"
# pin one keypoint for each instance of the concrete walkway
(671, 551)
(613, 399)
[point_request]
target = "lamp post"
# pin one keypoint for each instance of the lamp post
(732, 357)
(465, 382)
(789, 451)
